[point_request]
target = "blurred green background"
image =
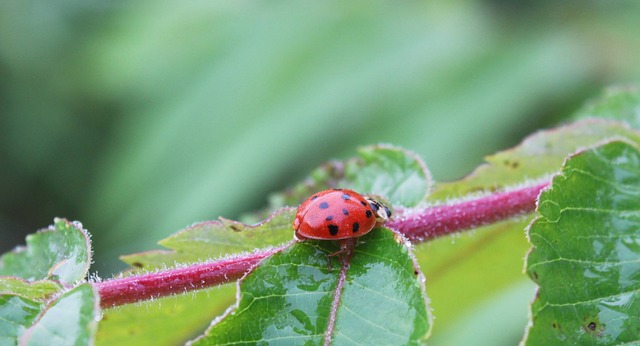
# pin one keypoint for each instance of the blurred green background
(141, 118)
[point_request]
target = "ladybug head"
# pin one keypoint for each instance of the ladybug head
(382, 212)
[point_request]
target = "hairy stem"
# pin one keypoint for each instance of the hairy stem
(137, 288)
(418, 225)
(424, 224)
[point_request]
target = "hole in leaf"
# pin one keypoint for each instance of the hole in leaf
(593, 326)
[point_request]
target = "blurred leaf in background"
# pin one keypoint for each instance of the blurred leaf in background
(141, 118)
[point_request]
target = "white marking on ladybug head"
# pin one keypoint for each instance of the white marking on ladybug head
(382, 212)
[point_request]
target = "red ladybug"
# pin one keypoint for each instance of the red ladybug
(337, 214)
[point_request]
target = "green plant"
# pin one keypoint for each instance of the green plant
(584, 254)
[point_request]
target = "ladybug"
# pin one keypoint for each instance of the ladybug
(338, 214)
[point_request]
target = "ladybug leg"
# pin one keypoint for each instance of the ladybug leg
(329, 262)
(346, 249)
(333, 254)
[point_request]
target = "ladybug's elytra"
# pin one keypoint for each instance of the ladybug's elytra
(337, 214)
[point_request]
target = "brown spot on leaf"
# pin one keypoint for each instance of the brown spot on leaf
(593, 326)
(511, 164)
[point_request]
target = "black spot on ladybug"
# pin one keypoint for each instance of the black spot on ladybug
(346, 197)
(324, 205)
(592, 326)
(345, 212)
(356, 227)
(314, 197)
(368, 213)
(363, 203)
(333, 229)
(329, 218)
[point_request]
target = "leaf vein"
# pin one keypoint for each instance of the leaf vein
(594, 300)
(558, 259)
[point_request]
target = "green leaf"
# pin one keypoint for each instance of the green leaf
(213, 239)
(168, 321)
(175, 319)
(38, 290)
(585, 251)
(450, 263)
(392, 172)
(538, 156)
(397, 174)
(289, 297)
(453, 264)
(62, 252)
(505, 307)
(200, 242)
(618, 103)
(70, 320)
(16, 315)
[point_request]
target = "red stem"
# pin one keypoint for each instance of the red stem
(418, 225)
(137, 288)
(429, 223)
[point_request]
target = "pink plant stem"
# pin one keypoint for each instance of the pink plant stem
(422, 225)
(418, 225)
(137, 288)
